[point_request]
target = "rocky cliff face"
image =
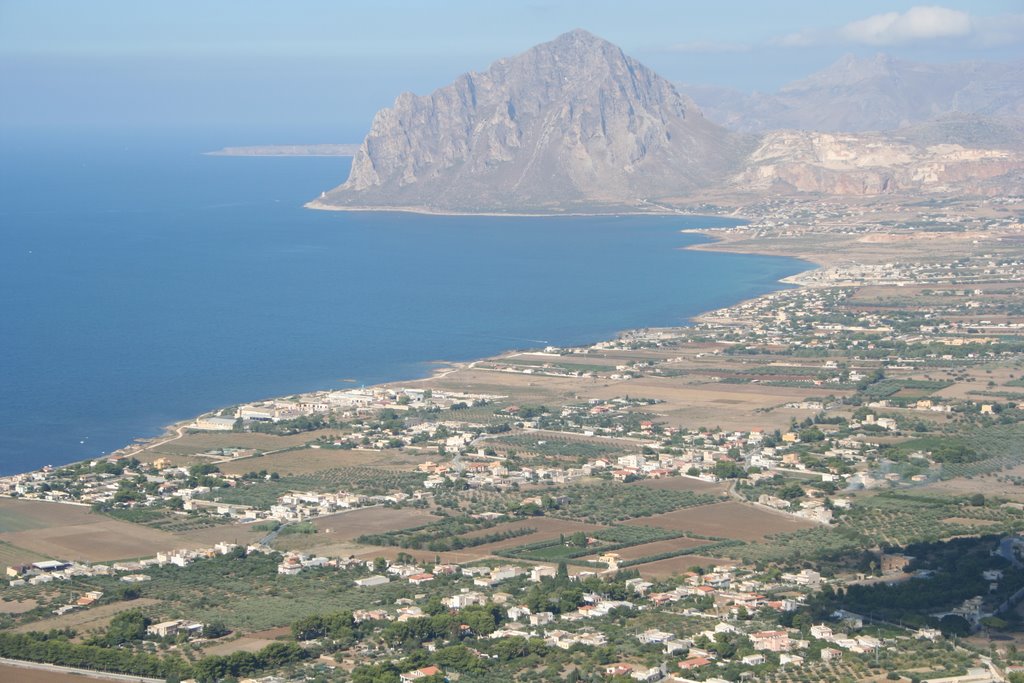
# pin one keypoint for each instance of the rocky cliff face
(573, 123)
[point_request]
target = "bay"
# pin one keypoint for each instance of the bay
(144, 283)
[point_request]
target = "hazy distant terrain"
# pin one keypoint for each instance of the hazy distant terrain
(874, 94)
(576, 125)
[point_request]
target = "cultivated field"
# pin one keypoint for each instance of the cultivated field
(247, 643)
(17, 674)
(656, 548)
(345, 527)
(675, 566)
(71, 532)
(201, 442)
(727, 520)
(309, 460)
(684, 484)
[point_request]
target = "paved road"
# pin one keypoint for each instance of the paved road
(100, 675)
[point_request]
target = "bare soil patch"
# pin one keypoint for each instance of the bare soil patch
(309, 460)
(656, 548)
(675, 566)
(347, 526)
(727, 520)
(17, 606)
(72, 532)
(17, 673)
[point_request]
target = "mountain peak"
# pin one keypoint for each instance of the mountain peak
(569, 122)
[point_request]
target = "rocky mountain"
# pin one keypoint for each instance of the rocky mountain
(872, 94)
(573, 123)
(576, 125)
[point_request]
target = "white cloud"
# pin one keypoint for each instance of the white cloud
(917, 23)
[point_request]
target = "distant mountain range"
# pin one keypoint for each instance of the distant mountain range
(876, 94)
(576, 125)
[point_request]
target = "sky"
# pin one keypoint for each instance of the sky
(260, 71)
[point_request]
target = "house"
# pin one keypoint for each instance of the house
(773, 641)
(515, 613)
(754, 660)
(172, 628)
(619, 669)
(417, 674)
(653, 635)
(794, 660)
(542, 572)
(654, 673)
(694, 663)
(821, 631)
(417, 579)
(829, 654)
(375, 580)
(541, 618)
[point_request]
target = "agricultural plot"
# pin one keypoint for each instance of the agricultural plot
(673, 545)
(10, 554)
(727, 520)
(684, 484)
(444, 534)
(262, 493)
(610, 539)
(358, 480)
(888, 519)
(561, 446)
(22, 675)
(347, 526)
(200, 442)
(72, 532)
(675, 566)
(307, 461)
(606, 503)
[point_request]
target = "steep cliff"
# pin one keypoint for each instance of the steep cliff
(570, 124)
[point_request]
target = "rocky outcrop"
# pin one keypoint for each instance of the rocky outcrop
(865, 164)
(576, 125)
(573, 123)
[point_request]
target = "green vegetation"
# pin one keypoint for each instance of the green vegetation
(444, 535)
(607, 503)
(581, 544)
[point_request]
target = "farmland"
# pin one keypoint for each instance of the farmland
(728, 520)
(75, 533)
(347, 526)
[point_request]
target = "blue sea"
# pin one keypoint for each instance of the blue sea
(144, 283)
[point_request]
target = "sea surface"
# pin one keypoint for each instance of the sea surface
(143, 283)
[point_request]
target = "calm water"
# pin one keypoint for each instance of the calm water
(143, 283)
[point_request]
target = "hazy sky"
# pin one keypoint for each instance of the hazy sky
(316, 71)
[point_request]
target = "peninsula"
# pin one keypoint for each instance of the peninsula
(315, 150)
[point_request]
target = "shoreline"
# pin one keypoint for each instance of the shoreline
(316, 205)
(443, 368)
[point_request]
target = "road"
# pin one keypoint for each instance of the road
(87, 673)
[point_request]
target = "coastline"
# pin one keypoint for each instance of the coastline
(715, 237)
(316, 205)
(443, 368)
